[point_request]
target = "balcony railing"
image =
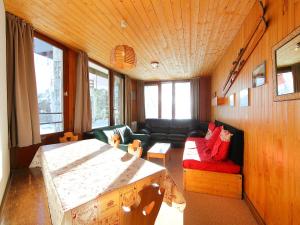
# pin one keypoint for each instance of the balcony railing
(44, 121)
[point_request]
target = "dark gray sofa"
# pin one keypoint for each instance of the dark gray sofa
(172, 131)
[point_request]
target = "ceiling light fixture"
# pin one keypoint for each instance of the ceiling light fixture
(123, 56)
(297, 46)
(154, 64)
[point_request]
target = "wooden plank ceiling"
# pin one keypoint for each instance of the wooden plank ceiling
(187, 37)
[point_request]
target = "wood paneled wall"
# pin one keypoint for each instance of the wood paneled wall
(272, 129)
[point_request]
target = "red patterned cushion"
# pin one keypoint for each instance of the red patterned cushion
(210, 143)
(221, 147)
(211, 127)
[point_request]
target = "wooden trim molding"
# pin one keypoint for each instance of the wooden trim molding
(253, 210)
(285, 97)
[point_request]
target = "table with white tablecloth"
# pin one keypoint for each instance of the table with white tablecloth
(88, 182)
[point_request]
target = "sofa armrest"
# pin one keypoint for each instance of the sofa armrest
(89, 135)
(145, 131)
(196, 133)
(141, 137)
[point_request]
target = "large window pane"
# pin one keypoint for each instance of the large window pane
(182, 100)
(48, 61)
(99, 92)
(118, 100)
(166, 100)
(151, 101)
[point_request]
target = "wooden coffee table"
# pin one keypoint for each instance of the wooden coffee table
(159, 151)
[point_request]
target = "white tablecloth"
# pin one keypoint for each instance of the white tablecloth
(88, 182)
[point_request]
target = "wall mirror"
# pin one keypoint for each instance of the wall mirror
(286, 67)
(259, 75)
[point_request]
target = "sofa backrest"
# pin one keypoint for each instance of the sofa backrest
(101, 135)
(236, 149)
(174, 126)
(182, 126)
(158, 125)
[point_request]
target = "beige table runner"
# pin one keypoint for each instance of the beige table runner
(88, 182)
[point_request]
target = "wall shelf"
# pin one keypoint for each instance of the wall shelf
(216, 101)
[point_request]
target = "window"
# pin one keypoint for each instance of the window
(172, 98)
(99, 93)
(118, 100)
(182, 100)
(166, 100)
(48, 60)
(151, 101)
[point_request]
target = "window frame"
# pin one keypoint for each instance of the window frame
(159, 98)
(69, 82)
(174, 97)
(111, 74)
(109, 93)
(121, 76)
(65, 77)
(159, 83)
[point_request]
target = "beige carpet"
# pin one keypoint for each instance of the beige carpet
(202, 209)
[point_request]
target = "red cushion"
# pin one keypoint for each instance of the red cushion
(214, 166)
(221, 147)
(210, 143)
(197, 156)
(211, 127)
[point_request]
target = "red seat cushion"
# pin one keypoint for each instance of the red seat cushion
(198, 156)
(214, 166)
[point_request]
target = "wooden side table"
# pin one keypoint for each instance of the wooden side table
(159, 151)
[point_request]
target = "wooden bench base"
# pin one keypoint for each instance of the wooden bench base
(221, 184)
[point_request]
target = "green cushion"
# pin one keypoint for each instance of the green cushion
(125, 134)
(109, 134)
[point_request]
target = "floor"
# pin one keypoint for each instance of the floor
(202, 209)
(26, 202)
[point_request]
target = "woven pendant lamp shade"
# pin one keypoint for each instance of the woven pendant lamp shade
(123, 57)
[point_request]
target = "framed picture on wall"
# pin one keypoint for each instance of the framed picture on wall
(244, 97)
(232, 100)
(259, 75)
